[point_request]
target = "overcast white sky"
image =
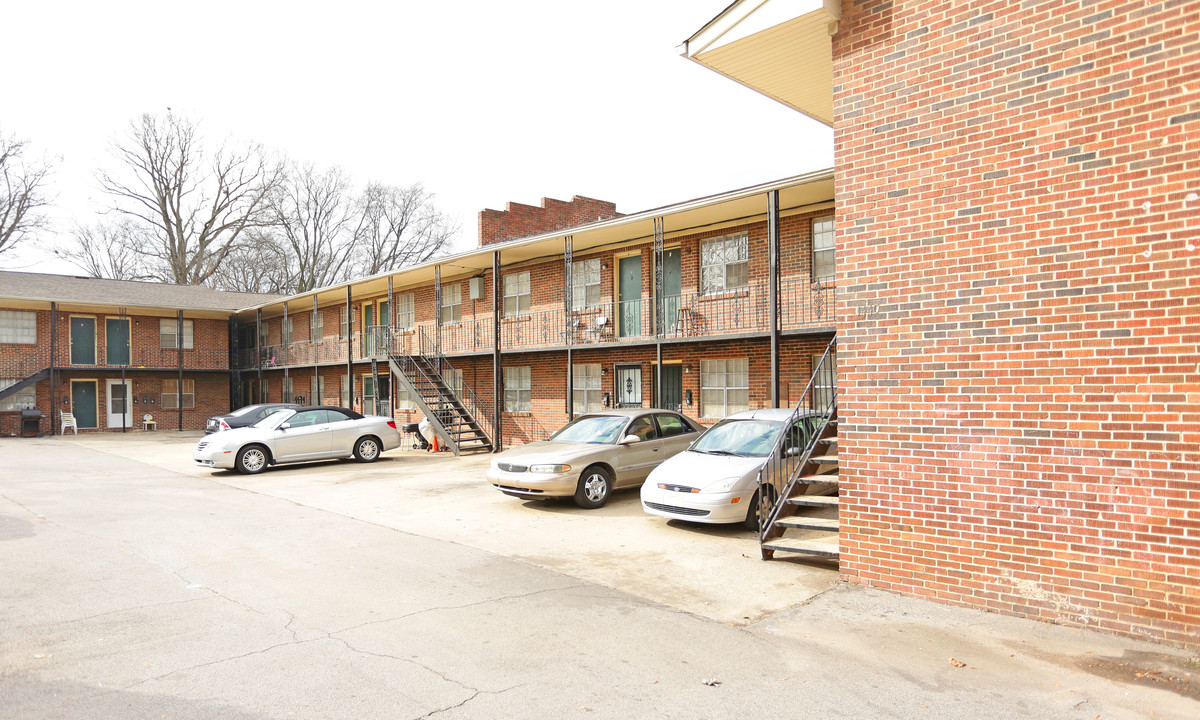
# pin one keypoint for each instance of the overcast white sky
(484, 102)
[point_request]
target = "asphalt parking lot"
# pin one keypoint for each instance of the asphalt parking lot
(711, 570)
(134, 584)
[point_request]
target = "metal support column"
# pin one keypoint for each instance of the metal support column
(315, 340)
(659, 317)
(258, 355)
(125, 415)
(285, 347)
(568, 320)
(53, 357)
(391, 346)
(179, 344)
(349, 349)
(497, 370)
(235, 377)
(773, 289)
(437, 310)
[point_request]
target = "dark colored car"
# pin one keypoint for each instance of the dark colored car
(245, 417)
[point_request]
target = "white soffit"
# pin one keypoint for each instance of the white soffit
(780, 48)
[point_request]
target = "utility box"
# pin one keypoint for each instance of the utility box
(476, 288)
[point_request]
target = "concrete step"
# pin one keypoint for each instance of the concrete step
(814, 500)
(824, 459)
(828, 479)
(809, 523)
(804, 547)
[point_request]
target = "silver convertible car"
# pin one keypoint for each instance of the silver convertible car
(593, 455)
(297, 435)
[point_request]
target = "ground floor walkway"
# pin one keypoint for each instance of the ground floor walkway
(138, 586)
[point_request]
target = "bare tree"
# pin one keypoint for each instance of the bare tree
(258, 264)
(314, 213)
(21, 196)
(398, 227)
(112, 250)
(196, 205)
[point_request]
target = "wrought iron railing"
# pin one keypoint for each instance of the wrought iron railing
(816, 407)
(480, 411)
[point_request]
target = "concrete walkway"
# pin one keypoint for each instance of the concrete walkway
(136, 586)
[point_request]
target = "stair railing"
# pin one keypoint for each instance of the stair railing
(481, 412)
(777, 478)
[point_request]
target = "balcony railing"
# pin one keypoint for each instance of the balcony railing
(802, 304)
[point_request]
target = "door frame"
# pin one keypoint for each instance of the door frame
(617, 257)
(654, 266)
(109, 384)
(71, 342)
(96, 402)
(617, 367)
(128, 341)
(654, 386)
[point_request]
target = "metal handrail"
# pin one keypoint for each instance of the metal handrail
(480, 412)
(783, 467)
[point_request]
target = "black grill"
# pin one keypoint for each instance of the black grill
(510, 467)
(31, 422)
(677, 510)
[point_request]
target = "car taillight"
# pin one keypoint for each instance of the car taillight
(392, 424)
(225, 425)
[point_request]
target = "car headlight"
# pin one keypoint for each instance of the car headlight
(721, 486)
(549, 468)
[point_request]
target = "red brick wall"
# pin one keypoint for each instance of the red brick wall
(518, 220)
(1017, 231)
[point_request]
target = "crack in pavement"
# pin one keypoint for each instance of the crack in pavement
(464, 702)
(215, 662)
(111, 612)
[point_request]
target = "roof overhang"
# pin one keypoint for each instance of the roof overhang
(780, 48)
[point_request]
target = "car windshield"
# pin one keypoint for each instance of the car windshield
(242, 411)
(596, 429)
(272, 420)
(744, 438)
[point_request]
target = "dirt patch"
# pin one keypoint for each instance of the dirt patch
(1180, 675)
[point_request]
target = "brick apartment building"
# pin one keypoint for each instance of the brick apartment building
(1014, 305)
(1019, 293)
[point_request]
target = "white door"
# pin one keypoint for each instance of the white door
(119, 411)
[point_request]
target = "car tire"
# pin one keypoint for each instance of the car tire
(595, 485)
(252, 460)
(366, 449)
(751, 521)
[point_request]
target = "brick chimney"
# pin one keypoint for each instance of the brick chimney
(518, 220)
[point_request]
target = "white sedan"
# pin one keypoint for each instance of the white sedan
(298, 435)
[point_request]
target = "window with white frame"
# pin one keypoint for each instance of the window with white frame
(823, 245)
(725, 263)
(518, 390)
(18, 327)
(724, 387)
(403, 401)
(452, 303)
(316, 391)
(516, 294)
(288, 387)
(406, 312)
(316, 326)
(346, 391)
(343, 324)
(824, 381)
(288, 327)
(454, 379)
(585, 283)
(171, 396)
(586, 395)
(21, 399)
(168, 334)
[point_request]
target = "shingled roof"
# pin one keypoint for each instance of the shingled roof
(75, 289)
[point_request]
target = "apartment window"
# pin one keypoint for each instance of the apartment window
(824, 382)
(18, 327)
(725, 263)
(406, 313)
(168, 331)
(25, 398)
(171, 397)
(517, 390)
(454, 379)
(823, 243)
(585, 283)
(452, 303)
(403, 401)
(346, 391)
(288, 395)
(316, 326)
(343, 324)
(316, 391)
(724, 387)
(516, 294)
(288, 327)
(586, 395)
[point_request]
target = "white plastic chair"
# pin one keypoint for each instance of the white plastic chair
(68, 421)
(148, 423)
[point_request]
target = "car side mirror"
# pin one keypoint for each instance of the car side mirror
(629, 440)
(285, 426)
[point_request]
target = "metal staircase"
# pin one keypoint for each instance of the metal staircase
(462, 421)
(26, 382)
(800, 481)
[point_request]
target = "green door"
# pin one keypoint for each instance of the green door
(83, 341)
(368, 333)
(83, 403)
(672, 289)
(116, 341)
(672, 388)
(629, 317)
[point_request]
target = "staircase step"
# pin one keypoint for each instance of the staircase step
(829, 479)
(814, 500)
(832, 440)
(808, 523)
(803, 547)
(825, 459)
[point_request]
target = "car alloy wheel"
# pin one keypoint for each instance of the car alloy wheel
(366, 450)
(594, 487)
(251, 459)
